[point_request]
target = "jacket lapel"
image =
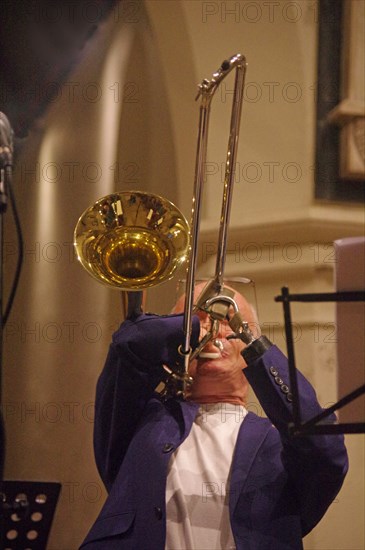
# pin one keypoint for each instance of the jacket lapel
(250, 438)
(189, 411)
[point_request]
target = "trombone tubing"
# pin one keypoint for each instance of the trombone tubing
(206, 91)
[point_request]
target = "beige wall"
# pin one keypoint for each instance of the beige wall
(154, 57)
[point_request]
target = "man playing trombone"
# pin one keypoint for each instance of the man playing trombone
(203, 473)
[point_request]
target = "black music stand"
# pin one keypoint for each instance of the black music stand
(26, 513)
(315, 425)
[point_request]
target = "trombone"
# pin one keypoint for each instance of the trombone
(134, 240)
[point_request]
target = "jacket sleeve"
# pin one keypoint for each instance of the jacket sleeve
(132, 370)
(316, 464)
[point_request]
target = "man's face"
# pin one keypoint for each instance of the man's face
(221, 356)
(217, 372)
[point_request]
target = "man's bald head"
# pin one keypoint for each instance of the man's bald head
(246, 309)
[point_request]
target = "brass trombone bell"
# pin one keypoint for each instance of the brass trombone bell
(132, 240)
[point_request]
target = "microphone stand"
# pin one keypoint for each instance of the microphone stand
(6, 139)
(19, 500)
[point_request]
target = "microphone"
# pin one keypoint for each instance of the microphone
(6, 158)
(6, 141)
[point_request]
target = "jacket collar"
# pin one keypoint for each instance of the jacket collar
(250, 437)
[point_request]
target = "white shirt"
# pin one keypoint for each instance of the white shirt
(197, 491)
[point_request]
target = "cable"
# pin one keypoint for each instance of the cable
(8, 176)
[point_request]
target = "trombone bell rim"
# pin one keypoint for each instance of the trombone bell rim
(131, 240)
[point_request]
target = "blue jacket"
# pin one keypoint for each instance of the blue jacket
(280, 486)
